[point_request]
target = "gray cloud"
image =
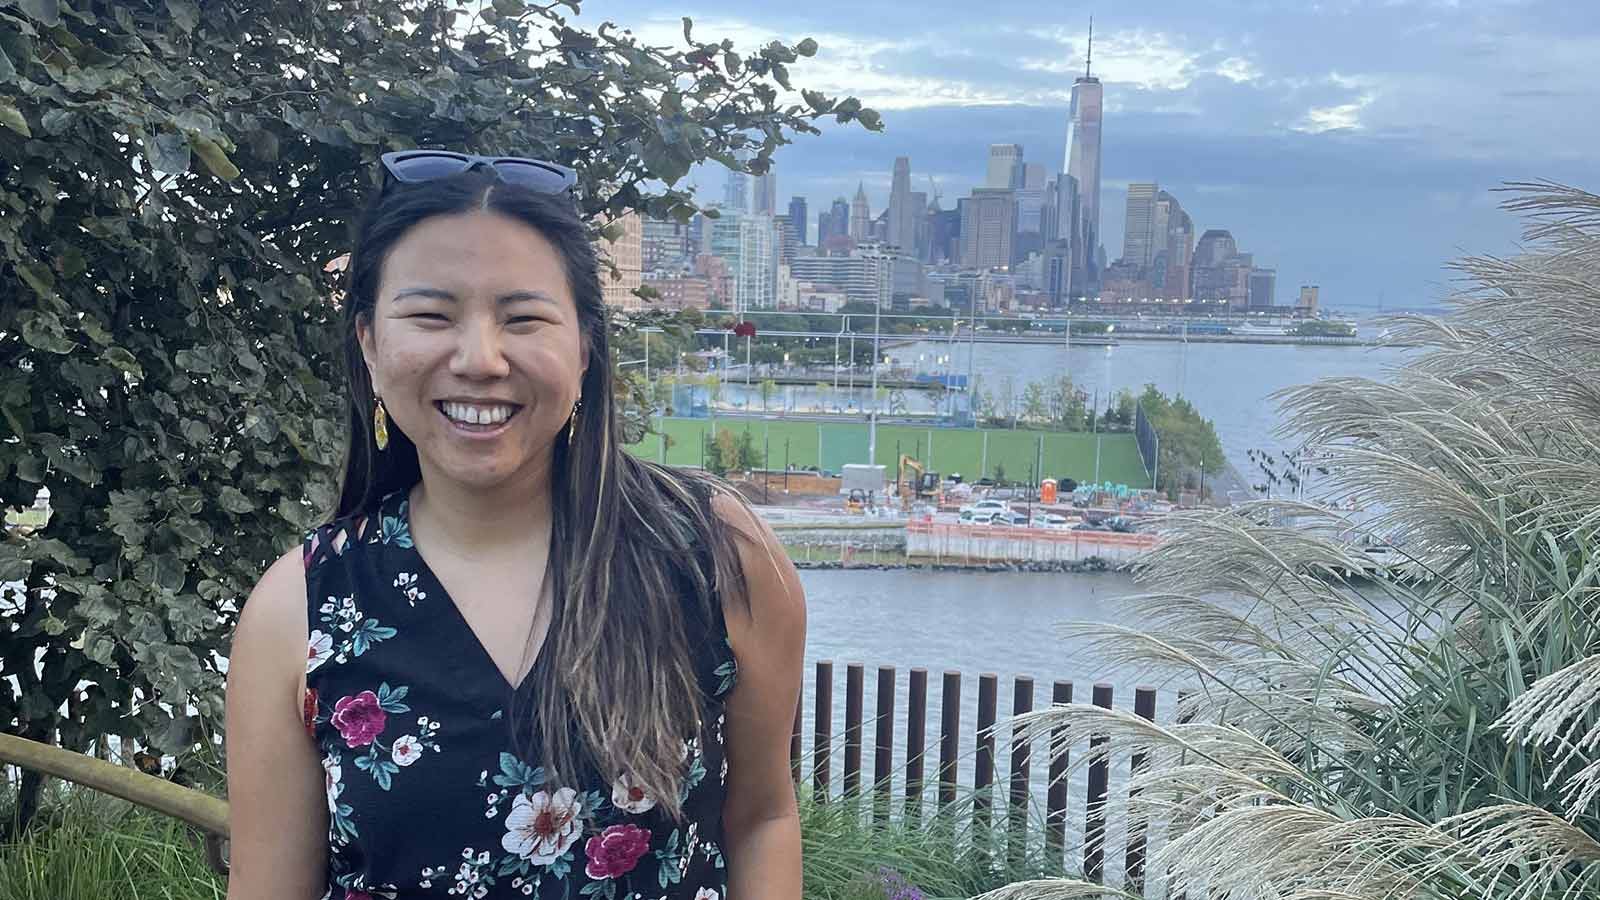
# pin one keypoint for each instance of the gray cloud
(1350, 142)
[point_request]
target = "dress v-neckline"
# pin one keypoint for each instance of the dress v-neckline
(403, 516)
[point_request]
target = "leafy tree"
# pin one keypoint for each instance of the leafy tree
(768, 389)
(1066, 404)
(176, 179)
(748, 457)
(1035, 405)
(725, 453)
(1185, 439)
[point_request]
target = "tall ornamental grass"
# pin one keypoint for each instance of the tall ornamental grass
(1430, 732)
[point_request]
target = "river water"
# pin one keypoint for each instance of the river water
(973, 623)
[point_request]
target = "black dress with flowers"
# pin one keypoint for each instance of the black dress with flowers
(426, 797)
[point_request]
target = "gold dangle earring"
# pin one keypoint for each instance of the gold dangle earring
(380, 423)
(572, 422)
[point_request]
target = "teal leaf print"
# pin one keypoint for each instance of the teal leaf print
(389, 698)
(605, 887)
(728, 671)
(667, 858)
(561, 867)
(396, 530)
(512, 864)
(696, 774)
(381, 770)
(368, 634)
(515, 773)
(592, 802)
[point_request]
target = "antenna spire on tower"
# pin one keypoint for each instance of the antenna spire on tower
(1087, 57)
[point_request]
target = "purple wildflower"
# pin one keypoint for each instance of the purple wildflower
(895, 886)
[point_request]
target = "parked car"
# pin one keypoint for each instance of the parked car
(991, 506)
(1014, 519)
(1048, 520)
(977, 517)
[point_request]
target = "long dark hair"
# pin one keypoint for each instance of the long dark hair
(638, 558)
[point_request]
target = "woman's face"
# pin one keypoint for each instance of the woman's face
(474, 319)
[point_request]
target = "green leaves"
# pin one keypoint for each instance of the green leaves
(43, 331)
(178, 330)
(807, 47)
(45, 12)
(185, 14)
(11, 118)
(169, 153)
(214, 157)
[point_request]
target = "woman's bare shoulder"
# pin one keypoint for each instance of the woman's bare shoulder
(273, 620)
(772, 583)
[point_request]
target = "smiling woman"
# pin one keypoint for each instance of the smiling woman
(577, 668)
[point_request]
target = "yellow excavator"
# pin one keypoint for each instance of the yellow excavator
(925, 485)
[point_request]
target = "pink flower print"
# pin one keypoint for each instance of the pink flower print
(359, 718)
(615, 851)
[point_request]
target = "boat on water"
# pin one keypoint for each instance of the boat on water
(1252, 328)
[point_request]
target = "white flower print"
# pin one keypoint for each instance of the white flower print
(406, 750)
(626, 795)
(407, 582)
(331, 773)
(319, 648)
(705, 894)
(541, 828)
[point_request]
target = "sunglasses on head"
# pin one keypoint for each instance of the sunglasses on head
(416, 166)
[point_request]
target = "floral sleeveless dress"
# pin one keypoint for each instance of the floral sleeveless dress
(426, 797)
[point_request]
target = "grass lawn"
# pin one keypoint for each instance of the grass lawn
(945, 450)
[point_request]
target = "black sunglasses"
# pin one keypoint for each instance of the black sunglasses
(416, 166)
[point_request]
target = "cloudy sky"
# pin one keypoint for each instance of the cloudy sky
(1350, 143)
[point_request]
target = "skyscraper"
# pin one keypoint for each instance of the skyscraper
(1139, 241)
(766, 195)
(904, 210)
(1221, 272)
(746, 242)
(626, 254)
(860, 215)
(1170, 277)
(1083, 163)
(988, 223)
(736, 192)
(1308, 299)
(839, 216)
(1263, 287)
(798, 220)
(1005, 167)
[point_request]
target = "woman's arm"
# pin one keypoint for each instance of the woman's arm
(760, 821)
(278, 814)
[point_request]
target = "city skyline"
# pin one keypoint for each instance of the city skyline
(1356, 147)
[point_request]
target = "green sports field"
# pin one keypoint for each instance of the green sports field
(829, 445)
